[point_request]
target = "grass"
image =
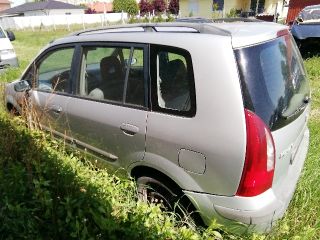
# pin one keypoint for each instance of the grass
(302, 218)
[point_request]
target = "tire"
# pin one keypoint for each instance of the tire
(13, 111)
(172, 200)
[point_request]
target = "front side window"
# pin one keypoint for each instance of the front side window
(114, 74)
(54, 71)
(173, 81)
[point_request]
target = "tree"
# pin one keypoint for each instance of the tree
(90, 11)
(159, 6)
(174, 7)
(129, 6)
(145, 7)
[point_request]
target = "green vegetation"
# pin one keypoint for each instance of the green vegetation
(302, 218)
(50, 192)
(129, 6)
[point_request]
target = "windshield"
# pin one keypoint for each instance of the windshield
(311, 13)
(2, 35)
(273, 81)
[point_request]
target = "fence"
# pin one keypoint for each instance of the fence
(52, 21)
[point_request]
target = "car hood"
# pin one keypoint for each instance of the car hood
(5, 44)
(306, 30)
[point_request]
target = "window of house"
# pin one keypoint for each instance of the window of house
(219, 4)
(257, 6)
(193, 7)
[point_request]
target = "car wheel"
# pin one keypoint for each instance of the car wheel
(171, 200)
(12, 110)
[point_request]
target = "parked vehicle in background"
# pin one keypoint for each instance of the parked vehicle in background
(8, 56)
(205, 116)
(306, 27)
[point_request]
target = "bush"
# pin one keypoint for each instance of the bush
(233, 13)
(145, 7)
(159, 6)
(129, 6)
(174, 7)
(90, 11)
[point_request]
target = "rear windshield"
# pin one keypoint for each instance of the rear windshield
(273, 81)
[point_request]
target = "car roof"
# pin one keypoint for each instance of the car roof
(242, 33)
(311, 7)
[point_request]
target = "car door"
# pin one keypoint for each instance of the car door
(108, 112)
(51, 76)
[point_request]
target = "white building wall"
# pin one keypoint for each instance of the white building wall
(276, 5)
(54, 12)
(66, 11)
(52, 21)
(35, 13)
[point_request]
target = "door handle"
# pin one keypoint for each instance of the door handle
(56, 109)
(129, 129)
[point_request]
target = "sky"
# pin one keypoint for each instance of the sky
(17, 2)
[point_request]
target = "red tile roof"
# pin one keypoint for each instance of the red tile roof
(100, 7)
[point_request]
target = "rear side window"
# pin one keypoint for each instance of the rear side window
(273, 80)
(173, 88)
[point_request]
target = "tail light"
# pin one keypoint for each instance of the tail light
(258, 171)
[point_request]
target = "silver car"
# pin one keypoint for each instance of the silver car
(209, 118)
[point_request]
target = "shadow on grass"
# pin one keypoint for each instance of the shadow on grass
(49, 195)
(310, 50)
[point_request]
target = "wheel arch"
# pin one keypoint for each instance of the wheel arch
(142, 170)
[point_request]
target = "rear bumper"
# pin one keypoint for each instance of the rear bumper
(254, 213)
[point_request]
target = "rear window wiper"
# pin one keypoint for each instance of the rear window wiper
(303, 106)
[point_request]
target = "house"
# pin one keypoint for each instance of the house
(44, 8)
(4, 4)
(100, 7)
(204, 8)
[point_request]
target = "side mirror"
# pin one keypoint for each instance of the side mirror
(22, 86)
(11, 35)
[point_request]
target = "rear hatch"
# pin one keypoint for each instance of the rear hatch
(275, 88)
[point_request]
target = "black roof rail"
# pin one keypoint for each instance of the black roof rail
(191, 27)
(194, 20)
(239, 19)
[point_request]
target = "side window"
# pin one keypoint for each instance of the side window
(173, 82)
(30, 75)
(112, 74)
(54, 70)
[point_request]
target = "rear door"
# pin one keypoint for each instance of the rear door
(108, 111)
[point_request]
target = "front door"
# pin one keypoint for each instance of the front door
(51, 76)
